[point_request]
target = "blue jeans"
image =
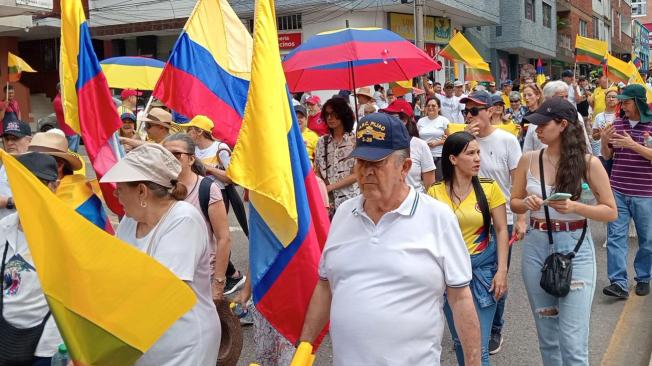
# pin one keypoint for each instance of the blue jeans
(562, 322)
(498, 322)
(42, 361)
(640, 210)
(73, 142)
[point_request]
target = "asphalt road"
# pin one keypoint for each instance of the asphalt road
(521, 346)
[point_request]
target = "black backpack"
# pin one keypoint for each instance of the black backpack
(205, 195)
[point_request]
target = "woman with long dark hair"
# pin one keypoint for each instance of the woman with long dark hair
(332, 162)
(559, 226)
(478, 204)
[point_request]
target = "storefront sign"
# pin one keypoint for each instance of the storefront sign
(435, 29)
(44, 4)
(289, 41)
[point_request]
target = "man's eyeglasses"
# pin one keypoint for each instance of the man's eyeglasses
(473, 110)
(514, 101)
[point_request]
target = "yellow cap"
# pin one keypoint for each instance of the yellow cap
(202, 122)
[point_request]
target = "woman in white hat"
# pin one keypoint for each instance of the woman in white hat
(174, 233)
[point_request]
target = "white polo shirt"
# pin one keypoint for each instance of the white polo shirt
(388, 281)
(24, 302)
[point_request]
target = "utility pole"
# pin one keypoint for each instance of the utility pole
(418, 31)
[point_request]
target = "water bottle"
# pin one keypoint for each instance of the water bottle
(647, 139)
(587, 196)
(61, 358)
(238, 310)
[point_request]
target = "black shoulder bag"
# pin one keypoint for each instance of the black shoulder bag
(17, 345)
(557, 270)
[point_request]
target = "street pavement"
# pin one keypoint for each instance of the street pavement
(521, 346)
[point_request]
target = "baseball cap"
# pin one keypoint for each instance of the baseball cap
(492, 83)
(299, 109)
(128, 115)
(567, 74)
(128, 93)
(506, 82)
(159, 116)
(16, 128)
(399, 106)
(449, 84)
(497, 99)
(313, 100)
(553, 108)
(480, 97)
(41, 165)
(202, 122)
(146, 163)
(378, 135)
(458, 83)
(638, 93)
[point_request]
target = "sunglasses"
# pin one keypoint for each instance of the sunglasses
(514, 101)
(473, 110)
(178, 154)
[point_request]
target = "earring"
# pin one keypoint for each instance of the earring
(143, 204)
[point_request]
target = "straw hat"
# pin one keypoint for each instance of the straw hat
(159, 116)
(366, 91)
(55, 145)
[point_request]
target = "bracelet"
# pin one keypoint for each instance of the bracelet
(220, 280)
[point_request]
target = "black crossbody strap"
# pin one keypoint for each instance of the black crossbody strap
(542, 178)
(2, 277)
(579, 242)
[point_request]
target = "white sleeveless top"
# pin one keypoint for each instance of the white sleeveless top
(533, 187)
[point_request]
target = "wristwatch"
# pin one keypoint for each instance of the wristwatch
(10, 204)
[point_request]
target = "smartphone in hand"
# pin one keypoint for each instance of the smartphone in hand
(557, 197)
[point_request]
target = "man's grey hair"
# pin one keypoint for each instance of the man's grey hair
(401, 155)
(554, 87)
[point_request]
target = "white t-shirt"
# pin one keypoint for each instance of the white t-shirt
(378, 96)
(422, 162)
(431, 130)
(499, 154)
(24, 302)
(451, 108)
(181, 245)
(600, 121)
(5, 190)
(209, 157)
(387, 308)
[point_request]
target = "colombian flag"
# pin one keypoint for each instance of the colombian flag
(87, 103)
(110, 301)
(459, 49)
(17, 66)
(209, 69)
(541, 77)
(590, 51)
(78, 193)
(288, 223)
(618, 70)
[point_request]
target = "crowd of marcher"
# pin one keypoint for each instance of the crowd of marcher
(427, 189)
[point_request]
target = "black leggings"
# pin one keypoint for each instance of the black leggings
(232, 198)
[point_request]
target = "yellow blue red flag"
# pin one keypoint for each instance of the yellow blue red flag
(288, 223)
(111, 302)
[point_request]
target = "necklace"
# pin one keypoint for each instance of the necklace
(454, 196)
(194, 186)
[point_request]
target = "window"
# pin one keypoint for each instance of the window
(596, 30)
(499, 30)
(639, 8)
(547, 15)
(583, 28)
(288, 22)
(529, 10)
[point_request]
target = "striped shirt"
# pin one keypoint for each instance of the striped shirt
(631, 173)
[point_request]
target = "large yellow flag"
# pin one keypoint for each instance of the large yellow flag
(110, 301)
(459, 49)
(637, 79)
(17, 66)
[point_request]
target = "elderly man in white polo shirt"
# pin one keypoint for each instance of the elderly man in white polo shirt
(391, 255)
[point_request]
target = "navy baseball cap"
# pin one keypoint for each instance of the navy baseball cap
(497, 99)
(16, 128)
(378, 136)
(480, 97)
(43, 166)
(553, 108)
(128, 115)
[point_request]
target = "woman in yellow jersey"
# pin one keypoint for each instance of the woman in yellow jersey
(477, 203)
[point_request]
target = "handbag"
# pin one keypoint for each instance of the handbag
(17, 345)
(557, 270)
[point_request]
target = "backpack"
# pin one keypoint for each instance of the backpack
(205, 195)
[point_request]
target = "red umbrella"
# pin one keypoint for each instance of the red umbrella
(350, 57)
